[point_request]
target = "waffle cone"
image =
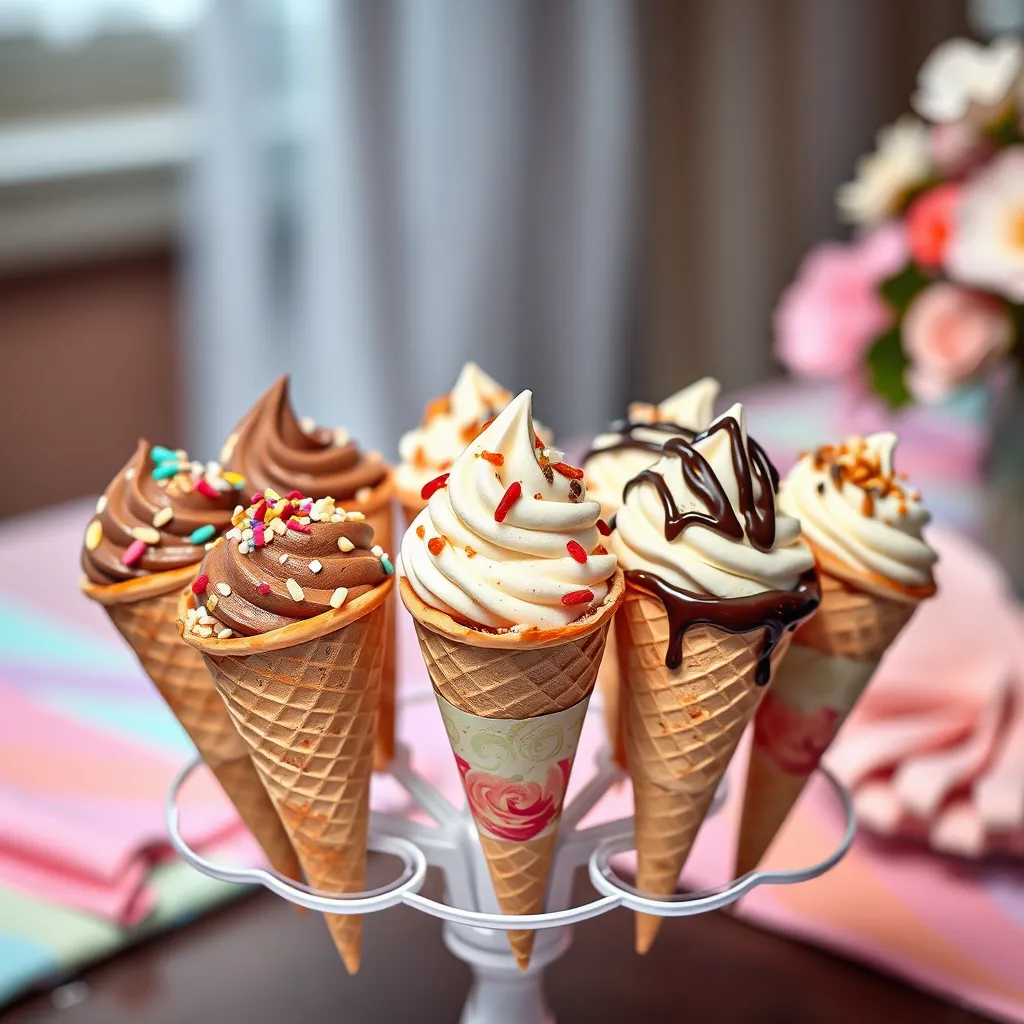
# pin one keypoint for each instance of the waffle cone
(519, 874)
(609, 682)
(836, 654)
(145, 612)
(412, 504)
(514, 676)
(682, 729)
(304, 699)
(379, 512)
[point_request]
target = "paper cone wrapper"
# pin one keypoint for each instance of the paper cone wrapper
(304, 699)
(513, 705)
(380, 514)
(834, 656)
(145, 611)
(682, 729)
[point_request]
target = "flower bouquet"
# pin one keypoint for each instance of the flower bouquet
(929, 297)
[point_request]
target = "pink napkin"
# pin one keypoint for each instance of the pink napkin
(935, 750)
(81, 811)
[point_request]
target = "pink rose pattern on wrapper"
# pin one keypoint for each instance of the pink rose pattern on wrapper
(793, 739)
(514, 810)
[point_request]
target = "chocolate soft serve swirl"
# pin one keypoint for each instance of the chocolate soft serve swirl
(262, 577)
(270, 448)
(756, 572)
(158, 514)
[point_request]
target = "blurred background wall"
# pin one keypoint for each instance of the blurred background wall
(600, 201)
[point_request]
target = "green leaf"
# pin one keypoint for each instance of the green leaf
(899, 289)
(887, 363)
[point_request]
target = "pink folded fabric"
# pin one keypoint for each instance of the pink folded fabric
(935, 751)
(81, 810)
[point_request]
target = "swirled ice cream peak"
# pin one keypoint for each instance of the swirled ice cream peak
(855, 507)
(508, 538)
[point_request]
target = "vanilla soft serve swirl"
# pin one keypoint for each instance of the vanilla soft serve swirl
(852, 506)
(498, 564)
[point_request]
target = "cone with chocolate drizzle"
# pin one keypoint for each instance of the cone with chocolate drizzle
(863, 523)
(716, 581)
(627, 448)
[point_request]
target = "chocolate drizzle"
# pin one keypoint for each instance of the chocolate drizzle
(628, 430)
(750, 463)
(775, 611)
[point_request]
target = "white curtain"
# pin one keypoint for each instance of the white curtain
(387, 189)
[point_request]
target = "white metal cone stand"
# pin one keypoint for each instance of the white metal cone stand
(474, 927)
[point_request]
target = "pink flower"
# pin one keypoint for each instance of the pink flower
(957, 147)
(794, 739)
(517, 811)
(930, 222)
(832, 312)
(949, 334)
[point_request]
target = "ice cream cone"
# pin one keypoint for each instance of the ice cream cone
(512, 677)
(834, 656)
(304, 698)
(682, 729)
(145, 611)
(379, 512)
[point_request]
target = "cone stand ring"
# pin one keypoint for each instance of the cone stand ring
(610, 838)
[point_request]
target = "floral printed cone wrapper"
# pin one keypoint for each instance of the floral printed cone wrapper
(515, 773)
(864, 528)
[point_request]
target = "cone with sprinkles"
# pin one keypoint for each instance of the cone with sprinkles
(521, 599)
(142, 546)
(289, 613)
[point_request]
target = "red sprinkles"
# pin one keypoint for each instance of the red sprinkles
(603, 528)
(538, 443)
(578, 597)
(200, 583)
(434, 485)
(297, 526)
(295, 495)
(577, 552)
(566, 470)
(205, 488)
(510, 497)
(263, 588)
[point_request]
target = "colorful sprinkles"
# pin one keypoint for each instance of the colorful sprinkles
(133, 552)
(200, 583)
(434, 485)
(509, 498)
(578, 597)
(576, 551)
(93, 535)
(202, 534)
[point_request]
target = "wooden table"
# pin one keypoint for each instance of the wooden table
(261, 962)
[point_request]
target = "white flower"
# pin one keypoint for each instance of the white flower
(987, 249)
(961, 77)
(900, 163)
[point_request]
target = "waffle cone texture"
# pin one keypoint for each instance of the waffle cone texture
(304, 698)
(380, 515)
(682, 729)
(145, 612)
(858, 619)
(514, 676)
